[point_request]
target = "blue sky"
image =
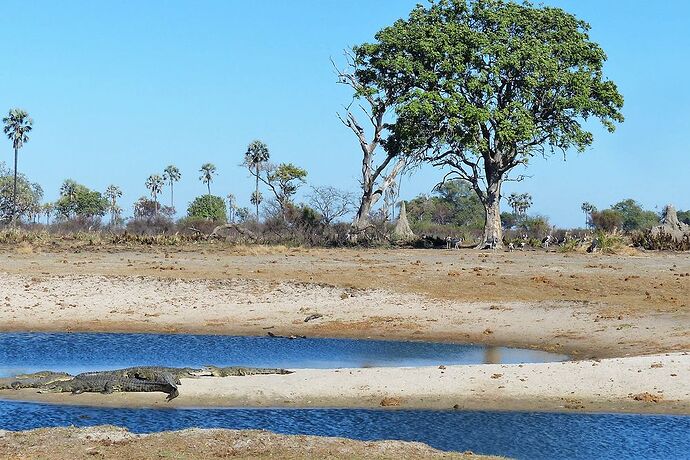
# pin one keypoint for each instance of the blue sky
(120, 89)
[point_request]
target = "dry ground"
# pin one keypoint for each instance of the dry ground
(585, 305)
(588, 306)
(106, 442)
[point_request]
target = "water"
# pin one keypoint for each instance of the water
(522, 435)
(79, 352)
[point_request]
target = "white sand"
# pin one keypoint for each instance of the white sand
(606, 385)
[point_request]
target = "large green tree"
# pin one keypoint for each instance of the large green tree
(78, 201)
(18, 124)
(256, 156)
(485, 85)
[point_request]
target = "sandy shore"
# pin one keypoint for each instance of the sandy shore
(589, 307)
(651, 384)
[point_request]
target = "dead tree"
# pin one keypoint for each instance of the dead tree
(376, 178)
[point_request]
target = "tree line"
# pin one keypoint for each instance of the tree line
(476, 88)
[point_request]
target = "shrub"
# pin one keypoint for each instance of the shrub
(607, 220)
(209, 207)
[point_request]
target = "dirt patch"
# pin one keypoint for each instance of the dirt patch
(194, 444)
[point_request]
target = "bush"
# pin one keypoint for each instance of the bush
(152, 226)
(209, 207)
(607, 220)
(659, 242)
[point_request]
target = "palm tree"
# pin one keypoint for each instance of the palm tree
(208, 170)
(155, 185)
(256, 155)
(17, 126)
(172, 174)
(68, 189)
(112, 193)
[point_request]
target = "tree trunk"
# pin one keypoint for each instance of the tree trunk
(370, 195)
(14, 189)
(172, 196)
(256, 194)
(493, 232)
(361, 220)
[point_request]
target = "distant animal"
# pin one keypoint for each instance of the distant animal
(594, 246)
(546, 241)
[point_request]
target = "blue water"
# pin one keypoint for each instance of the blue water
(79, 352)
(522, 435)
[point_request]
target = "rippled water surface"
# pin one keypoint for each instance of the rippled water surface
(520, 435)
(78, 352)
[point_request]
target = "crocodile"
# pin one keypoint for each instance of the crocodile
(153, 373)
(241, 371)
(35, 380)
(108, 382)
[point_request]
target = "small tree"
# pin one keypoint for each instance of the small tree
(284, 180)
(208, 170)
(26, 200)
(207, 207)
(256, 156)
(520, 203)
(171, 174)
(155, 185)
(18, 125)
(588, 209)
(330, 202)
(79, 201)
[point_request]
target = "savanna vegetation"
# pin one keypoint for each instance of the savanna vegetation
(475, 88)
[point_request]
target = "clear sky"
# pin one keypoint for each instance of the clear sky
(120, 89)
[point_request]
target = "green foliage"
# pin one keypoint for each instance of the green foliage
(608, 243)
(208, 170)
(208, 207)
(285, 180)
(659, 241)
(29, 195)
(145, 209)
(453, 203)
(520, 203)
(484, 85)
(18, 124)
(634, 217)
(607, 220)
(77, 200)
(626, 215)
(684, 216)
(535, 226)
(171, 174)
(530, 73)
(256, 155)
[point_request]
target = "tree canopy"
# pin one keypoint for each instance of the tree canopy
(208, 207)
(77, 200)
(485, 85)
